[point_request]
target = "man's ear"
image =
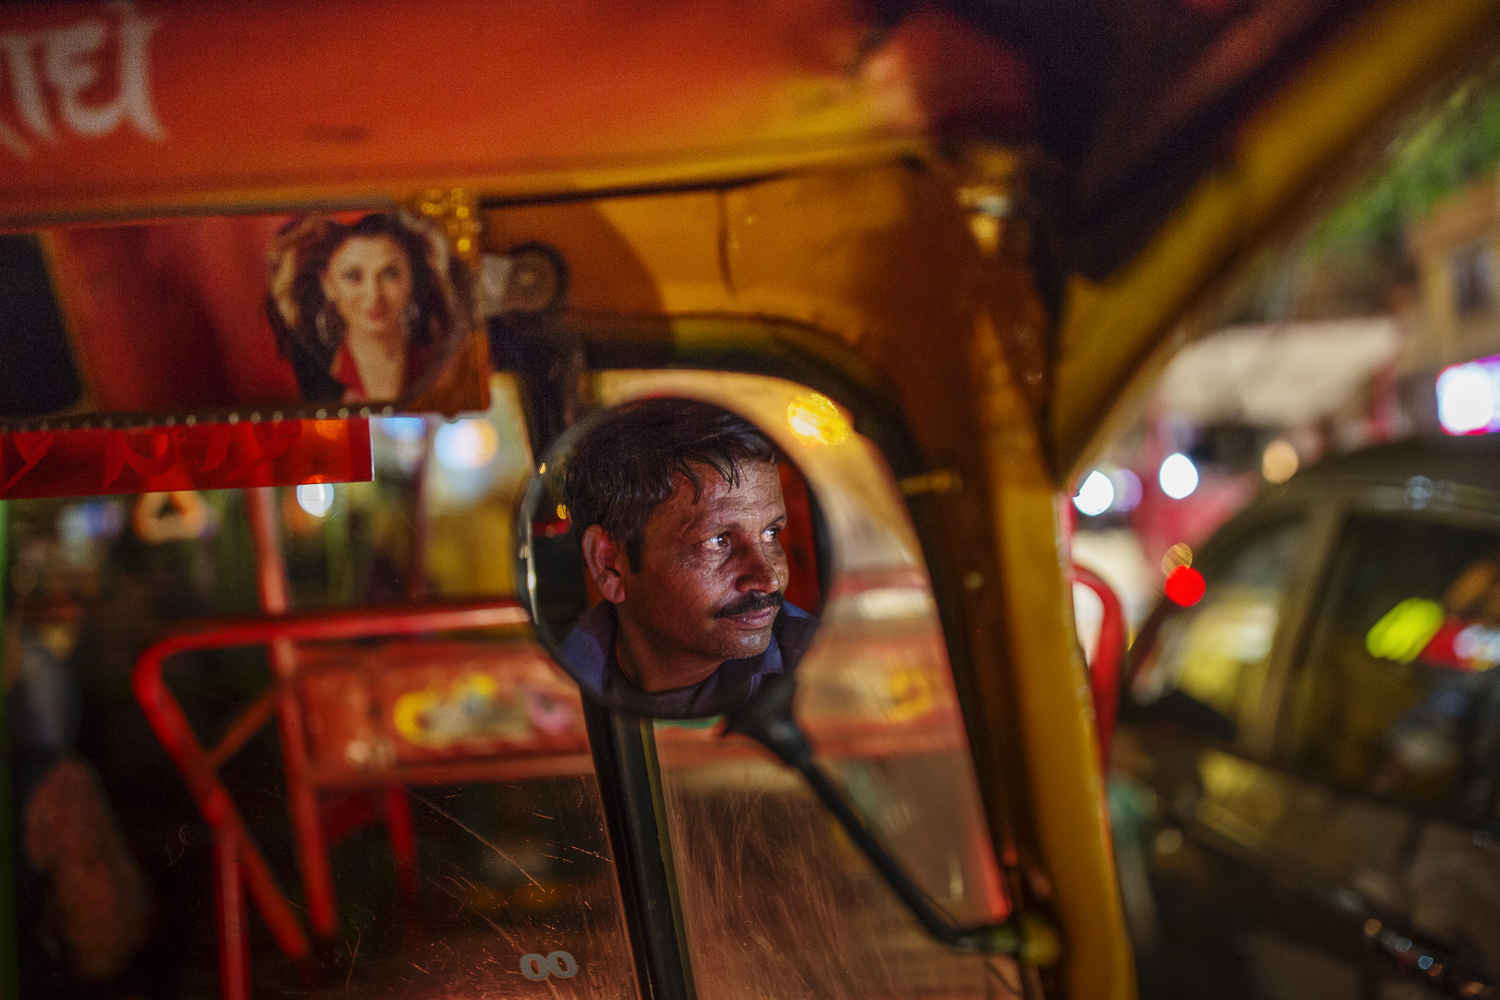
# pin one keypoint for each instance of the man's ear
(605, 561)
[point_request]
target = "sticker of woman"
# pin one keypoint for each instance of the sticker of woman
(368, 311)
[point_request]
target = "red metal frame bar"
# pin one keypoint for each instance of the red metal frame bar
(459, 772)
(238, 860)
(404, 848)
(243, 729)
(1104, 670)
(334, 626)
(234, 938)
(302, 799)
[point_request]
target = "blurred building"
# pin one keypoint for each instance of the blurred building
(1457, 255)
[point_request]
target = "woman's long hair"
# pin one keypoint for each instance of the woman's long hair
(309, 331)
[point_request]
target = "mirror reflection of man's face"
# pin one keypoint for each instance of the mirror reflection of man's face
(712, 572)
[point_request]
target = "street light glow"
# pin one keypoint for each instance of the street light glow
(1178, 476)
(1095, 495)
(315, 498)
(1466, 398)
(1127, 490)
(466, 444)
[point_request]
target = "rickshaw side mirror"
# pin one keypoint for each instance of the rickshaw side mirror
(1109, 657)
(651, 545)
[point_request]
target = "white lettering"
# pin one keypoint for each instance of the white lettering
(70, 59)
(71, 71)
(135, 71)
(18, 49)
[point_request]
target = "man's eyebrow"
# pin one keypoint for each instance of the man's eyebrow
(712, 522)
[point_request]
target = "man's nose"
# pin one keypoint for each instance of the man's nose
(759, 571)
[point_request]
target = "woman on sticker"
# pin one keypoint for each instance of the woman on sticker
(365, 311)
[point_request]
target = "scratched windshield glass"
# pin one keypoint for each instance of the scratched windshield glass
(408, 811)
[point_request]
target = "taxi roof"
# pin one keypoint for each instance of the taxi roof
(1470, 460)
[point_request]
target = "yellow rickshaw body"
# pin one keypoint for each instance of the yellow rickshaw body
(787, 162)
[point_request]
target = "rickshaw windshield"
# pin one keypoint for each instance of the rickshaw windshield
(372, 801)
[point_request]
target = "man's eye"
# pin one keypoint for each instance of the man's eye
(771, 534)
(718, 541)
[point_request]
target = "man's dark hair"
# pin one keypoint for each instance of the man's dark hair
(622, 469)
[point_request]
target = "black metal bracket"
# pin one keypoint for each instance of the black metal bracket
(767, 718)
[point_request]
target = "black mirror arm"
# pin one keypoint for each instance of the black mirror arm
(767, 718)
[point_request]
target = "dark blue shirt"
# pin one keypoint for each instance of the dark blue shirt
(588, 652)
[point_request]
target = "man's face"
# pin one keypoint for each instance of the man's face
(712, 572)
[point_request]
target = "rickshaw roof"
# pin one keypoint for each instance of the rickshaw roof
(280, 102)
(1159, 138)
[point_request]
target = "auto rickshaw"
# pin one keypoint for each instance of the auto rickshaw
(931, 251)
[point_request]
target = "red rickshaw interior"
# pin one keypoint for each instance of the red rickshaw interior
(378, 782)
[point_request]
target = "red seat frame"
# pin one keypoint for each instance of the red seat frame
(239, 865)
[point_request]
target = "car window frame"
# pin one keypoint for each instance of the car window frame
(1472, 507)
(1253, 726)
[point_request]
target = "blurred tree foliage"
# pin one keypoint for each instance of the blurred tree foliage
(1440, 153)
(1348, 262)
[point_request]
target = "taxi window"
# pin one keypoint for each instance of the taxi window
(775, 900)
(1206, 663)
(1397, 694)
(443, 782)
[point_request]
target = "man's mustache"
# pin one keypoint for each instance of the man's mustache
(751, 603)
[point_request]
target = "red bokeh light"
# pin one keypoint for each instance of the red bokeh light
(1185, 586)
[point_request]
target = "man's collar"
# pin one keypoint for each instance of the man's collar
(589, 654)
